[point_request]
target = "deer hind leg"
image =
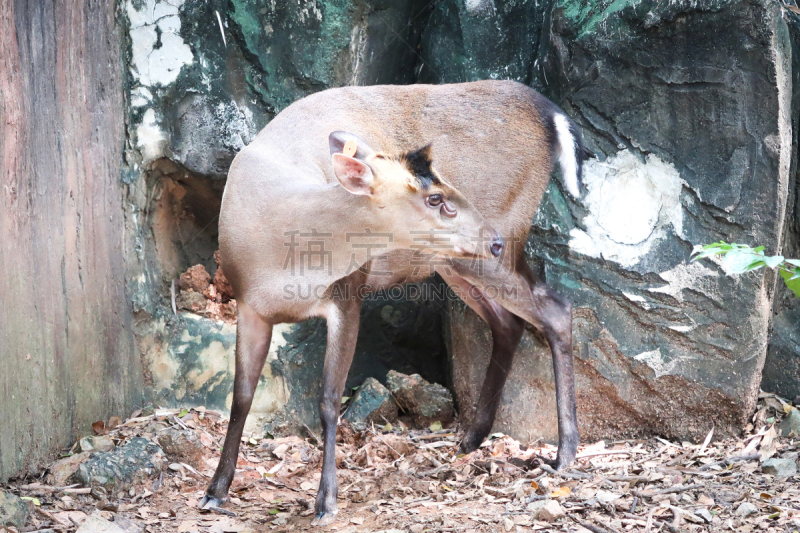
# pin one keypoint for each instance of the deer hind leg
(253, 336)
(343, 321)
(522, 294)
(506, 330)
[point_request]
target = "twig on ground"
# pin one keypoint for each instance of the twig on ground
(608, 452)
(37, 487)
(731, 460)
(566, 475)
(671, 490)
(312, 434)
(649, 525)
(593, 528)
(675, 525)
(86, 490)
(636, 479)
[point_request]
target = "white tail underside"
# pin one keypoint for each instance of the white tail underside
(567, 156)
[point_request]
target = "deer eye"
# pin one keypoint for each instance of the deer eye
(434, 200)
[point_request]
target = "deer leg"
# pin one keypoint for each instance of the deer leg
(253, 336)
(343, 318)
(525, 296)
(506, 330)
(554, 314)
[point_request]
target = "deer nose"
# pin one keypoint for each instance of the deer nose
(496, 246)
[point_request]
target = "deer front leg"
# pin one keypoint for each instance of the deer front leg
(253, 336)
(343, 319)
(533, 301)
(507, 331)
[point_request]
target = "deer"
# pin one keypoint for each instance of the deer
(353, 190)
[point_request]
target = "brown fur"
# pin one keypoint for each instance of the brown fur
(492, 153)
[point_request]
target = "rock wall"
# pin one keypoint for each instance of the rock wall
(686, 112)
(782, 367)
(689, 120)
(66, 355)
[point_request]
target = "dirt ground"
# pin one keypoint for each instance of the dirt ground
(398, 480)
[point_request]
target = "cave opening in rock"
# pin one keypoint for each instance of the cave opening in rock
(401, 332)
(184, 224)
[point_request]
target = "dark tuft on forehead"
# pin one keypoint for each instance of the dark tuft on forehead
(418, 163)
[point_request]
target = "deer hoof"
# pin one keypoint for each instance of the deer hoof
(209, 501)
(471, 443)
(323, 518)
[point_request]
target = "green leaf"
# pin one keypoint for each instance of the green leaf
(703, 251)
(792, 280)
(31, 499)
(183, 413)
(773, 261)
(755, 265)
(274, 511)
(388, 427)
(344, 399)
(795, 262)
(738, 262)
(436, 426)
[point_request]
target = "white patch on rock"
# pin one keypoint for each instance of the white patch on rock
(655, 361)
(141, 97)
(150, 139)
(476, 6)
(157, 66)
(237, 125)
(279, 332)
(687, 276)
(637, 299)
(631, 205)
(358, 50)
(309, 11)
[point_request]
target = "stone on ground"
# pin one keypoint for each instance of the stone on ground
(535, 506)
(97, 443)
(13, 511)
(183, 446)
(746, 509)
(120, 468)
(791, 424)
(704, 514)
(779, 467)
(372, 404)
(195, 278)
(97, 524)
(551, 511)
(61, 472)
(424, 402)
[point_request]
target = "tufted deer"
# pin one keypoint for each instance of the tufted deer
(358, 189)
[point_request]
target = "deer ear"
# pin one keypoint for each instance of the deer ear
(354, 175)
(337, 141)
